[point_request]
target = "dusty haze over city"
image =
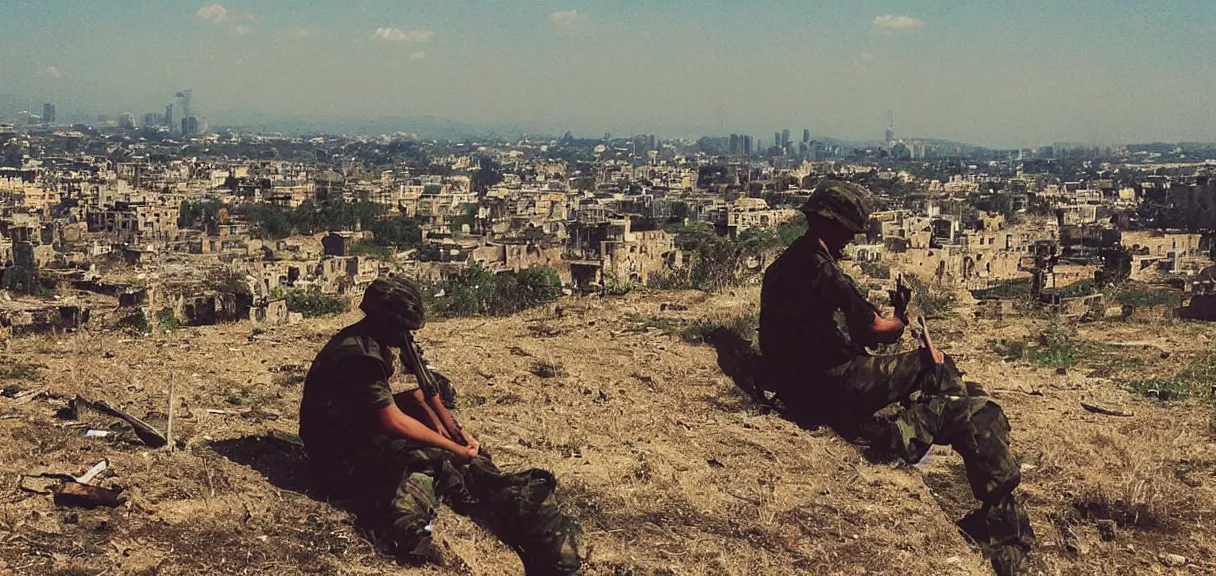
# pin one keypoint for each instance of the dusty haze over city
(1005, 75)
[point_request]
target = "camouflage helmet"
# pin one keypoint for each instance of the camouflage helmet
(844, 202)
(396, 301)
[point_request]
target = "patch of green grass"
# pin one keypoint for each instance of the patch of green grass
(371, 250)
(1075, 290)
(1146, 297)
(1196, 380)
(1010, 350)
(1059, 356)
(239, 396)
(877, 270)
(1006, 291)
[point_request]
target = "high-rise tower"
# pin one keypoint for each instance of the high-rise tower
(890, 128)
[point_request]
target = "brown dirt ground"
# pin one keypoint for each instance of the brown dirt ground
(669, 467)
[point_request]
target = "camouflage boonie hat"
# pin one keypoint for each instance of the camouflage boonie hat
(397, 301)
(843, 202)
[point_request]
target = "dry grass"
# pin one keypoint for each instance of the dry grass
(670, 469)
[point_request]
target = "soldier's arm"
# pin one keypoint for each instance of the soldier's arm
(370, 394)
(396, 423)
(865, 323)
(886, 331)
(414, 405)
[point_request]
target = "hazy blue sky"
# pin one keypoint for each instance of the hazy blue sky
(998, 72)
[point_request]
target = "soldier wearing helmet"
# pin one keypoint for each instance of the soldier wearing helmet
(815, 326)
(396, 456)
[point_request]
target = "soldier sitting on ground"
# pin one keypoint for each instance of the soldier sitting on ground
(815, 323)
(396, 457)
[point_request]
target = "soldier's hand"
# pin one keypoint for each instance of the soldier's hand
(901, 296)
(936, 355)
(464, 454)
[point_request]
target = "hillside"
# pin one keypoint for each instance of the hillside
(669, 467)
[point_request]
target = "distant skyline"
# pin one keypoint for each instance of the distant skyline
(1000, 74)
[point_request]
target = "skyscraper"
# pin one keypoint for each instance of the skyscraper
(48, 113)
(190, 126)
(126, 121)
(890, 128)
(776, 139)
(747, 145)
(806, 135)
(734, 144)
(169, 118)
(785, 139)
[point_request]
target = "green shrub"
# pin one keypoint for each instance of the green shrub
(134, 323)
(311, 303)
(476, 291)
(933, 300)
(875, 269)
(166, 319)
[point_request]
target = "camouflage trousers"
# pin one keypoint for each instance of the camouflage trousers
(395, 488)
(938, 408)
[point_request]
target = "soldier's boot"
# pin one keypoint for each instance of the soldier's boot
(1011, 537)
(552, 545)
(522, 510)
(411, 514)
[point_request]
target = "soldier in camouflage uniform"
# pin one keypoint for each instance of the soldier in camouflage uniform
(815, 324)
(395, 457)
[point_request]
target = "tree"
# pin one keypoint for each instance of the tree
(488, 174)
(397, 231)
(1116, 267)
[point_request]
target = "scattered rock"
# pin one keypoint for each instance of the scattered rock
(1062, 371)
(1172, 560)
(714, 463)
(1107, 530)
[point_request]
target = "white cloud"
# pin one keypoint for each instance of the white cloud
(567, 18)
(418, 55)
(893, 22)
(216, 14)
(298, 33)
(242, 30)
(213, 13)
(403, 36)
(52, 71)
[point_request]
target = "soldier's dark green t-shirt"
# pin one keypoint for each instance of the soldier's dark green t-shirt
(811, 312)
(346, 385)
